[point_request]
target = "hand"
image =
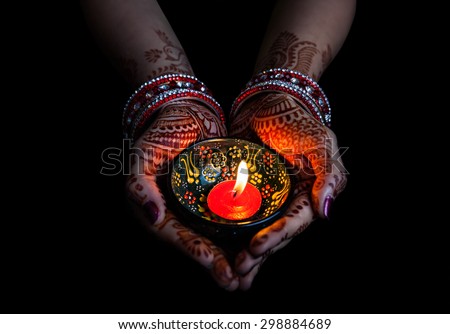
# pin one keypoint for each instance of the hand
(278, 121)
(178, 125)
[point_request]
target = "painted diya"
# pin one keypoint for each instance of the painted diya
(225, 186)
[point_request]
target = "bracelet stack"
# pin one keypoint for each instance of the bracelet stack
(301, 87)
(152, 95)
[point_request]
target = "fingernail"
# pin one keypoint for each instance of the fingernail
(327, 206)
(258, 241)
(152, 212)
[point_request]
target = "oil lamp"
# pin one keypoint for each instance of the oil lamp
(225, 187)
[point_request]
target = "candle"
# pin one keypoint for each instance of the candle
(235, 200)
(208, 187)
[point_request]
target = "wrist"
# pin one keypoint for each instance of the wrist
(160, 91)
(305, 91)
(306, 53)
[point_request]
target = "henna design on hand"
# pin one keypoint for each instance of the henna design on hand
(327, 57)
(288, 51)
(202, 249)
(174, 55)
(285, 125)
(261, 238)
(195, 244)
(287, 227)
(276, 236)
(221, 270)
(179, 124)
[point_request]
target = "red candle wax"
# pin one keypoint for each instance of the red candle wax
(223, 202)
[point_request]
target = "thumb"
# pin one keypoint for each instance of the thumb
(330, 175)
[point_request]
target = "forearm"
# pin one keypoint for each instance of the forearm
(305, 35)
(137, 38)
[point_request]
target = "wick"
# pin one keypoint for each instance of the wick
(234, 194)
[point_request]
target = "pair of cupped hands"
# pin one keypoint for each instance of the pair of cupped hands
(273, 119)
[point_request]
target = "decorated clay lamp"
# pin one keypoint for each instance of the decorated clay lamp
(225, 186)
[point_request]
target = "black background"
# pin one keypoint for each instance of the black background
(79, 250)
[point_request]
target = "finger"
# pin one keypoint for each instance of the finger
(330, 175)
(197, 247)
(201, 250)
(251, 266)
(246, 281)
(297, 217)
(273, 238)
(143, 190)
(246, 260)
(222, 272)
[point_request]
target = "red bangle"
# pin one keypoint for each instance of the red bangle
(303, 88)
(150, 96)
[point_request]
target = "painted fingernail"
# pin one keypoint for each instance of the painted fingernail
(152, 212)
(327, 206)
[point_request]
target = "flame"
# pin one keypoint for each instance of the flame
(241, 180)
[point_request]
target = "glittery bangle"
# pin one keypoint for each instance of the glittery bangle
(303, 88)
(151, 95)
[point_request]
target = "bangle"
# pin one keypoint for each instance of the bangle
(301, 87)
(152, 95)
